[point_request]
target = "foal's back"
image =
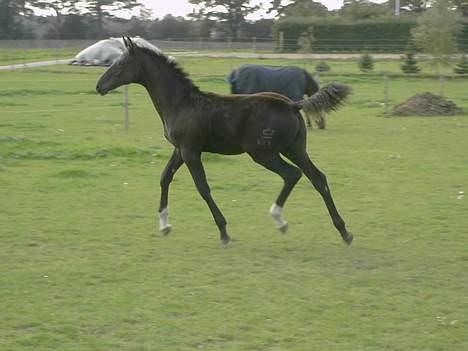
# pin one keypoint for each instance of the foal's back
(244, 123)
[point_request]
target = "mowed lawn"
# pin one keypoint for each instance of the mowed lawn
(83, 266)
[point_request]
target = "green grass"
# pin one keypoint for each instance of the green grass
(10, 56)
(83, 267)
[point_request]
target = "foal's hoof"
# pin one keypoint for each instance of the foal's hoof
(225, 240)
(166, 229)
(349, 239)
(284, 228)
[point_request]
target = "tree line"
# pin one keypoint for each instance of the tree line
(213, 19)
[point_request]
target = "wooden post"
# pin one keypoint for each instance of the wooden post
(281, 41)
(385, 89)
(125, 105)
(442, 85)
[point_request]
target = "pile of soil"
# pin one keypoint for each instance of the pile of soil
(426, 104)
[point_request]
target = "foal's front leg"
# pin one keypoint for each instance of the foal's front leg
(167, 175)
(193, 161)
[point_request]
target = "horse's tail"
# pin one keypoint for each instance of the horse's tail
(327, 99)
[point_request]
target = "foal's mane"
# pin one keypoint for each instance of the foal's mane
(158, 56)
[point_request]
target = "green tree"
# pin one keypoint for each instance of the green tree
(59, 8)
(171, 27)
(10, 12)
(260, 29)
(73, 27)
(462, 65)
(410, 65)
(462, 7)
(300, 8)
(230, 12)
(102, 9)
(137, 27)
(322, 66)
(362, 9)
(414, 6)
(436, 32)
(366, 63)
(306, 40)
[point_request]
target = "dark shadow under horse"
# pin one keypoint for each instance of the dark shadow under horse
(265, 125)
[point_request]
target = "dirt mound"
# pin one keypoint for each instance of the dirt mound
(426, 104)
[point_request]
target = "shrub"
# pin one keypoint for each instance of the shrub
(366, 63)
(462, 66)
(306, 40)
(322, 67)
(410, 65)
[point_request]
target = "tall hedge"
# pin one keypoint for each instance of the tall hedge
(384, 35)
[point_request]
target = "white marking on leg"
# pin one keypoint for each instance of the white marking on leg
(164, 225)
(277, 214)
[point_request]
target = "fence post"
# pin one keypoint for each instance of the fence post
(254, 44)
(385, 89)
(281, 41)
(125, 105)
(442, 85)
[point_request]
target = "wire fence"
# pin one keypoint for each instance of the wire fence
(246, 44)
(383, 97)
(381, 94)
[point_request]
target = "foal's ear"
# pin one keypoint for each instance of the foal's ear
(129, 44)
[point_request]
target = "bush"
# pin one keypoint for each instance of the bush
(462, 66)
(322, 67)
(366, 63)
(410, 65)
(339, 35)
(306, 40)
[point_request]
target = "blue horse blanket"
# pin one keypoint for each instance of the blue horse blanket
(289, 81)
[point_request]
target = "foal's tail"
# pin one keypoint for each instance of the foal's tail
(327, 99)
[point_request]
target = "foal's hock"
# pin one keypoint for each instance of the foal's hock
(267, 126)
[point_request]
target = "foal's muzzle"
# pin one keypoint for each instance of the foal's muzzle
(100, 90)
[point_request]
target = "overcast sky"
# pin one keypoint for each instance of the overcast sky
(183, 7)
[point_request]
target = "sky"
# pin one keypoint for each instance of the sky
(183, 7)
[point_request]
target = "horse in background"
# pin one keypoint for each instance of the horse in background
(290, 81)
(267, 126)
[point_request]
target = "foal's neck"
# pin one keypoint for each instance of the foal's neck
(167, 86)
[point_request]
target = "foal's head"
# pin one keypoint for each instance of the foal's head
(125, 70)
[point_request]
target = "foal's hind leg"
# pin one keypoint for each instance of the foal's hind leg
(167, 175)
(290, 175)
(319, 181)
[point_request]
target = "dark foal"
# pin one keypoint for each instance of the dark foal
(264, 125)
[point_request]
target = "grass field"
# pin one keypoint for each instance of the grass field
(16, 56)
(83, 267)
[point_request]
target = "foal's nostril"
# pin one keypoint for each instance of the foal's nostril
(100, 90)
